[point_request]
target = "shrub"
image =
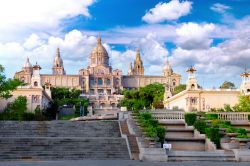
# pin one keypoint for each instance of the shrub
(221, 123)
(28, 116)
(161, 133)
(211, 116)
(190, 118)
(214, 135)
(230, 130)
(200, 125)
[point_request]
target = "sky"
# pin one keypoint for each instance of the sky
(212, 35)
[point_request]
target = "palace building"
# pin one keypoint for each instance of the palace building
(98, 81)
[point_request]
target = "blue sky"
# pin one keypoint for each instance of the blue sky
(211, 35)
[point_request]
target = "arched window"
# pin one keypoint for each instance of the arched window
(192, 86)
(100, 82)
(35, 83)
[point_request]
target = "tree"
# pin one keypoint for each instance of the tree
(179, 89)
(244, 104)
(144, 97)
(227, 85)
(7, 85)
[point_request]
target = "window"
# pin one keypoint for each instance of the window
(92, 81)
(100, 91)
(35, 99)
(108, 81)
(35, 83)
(109, 91)
(192, 86)
(100, 82)
(92, 91)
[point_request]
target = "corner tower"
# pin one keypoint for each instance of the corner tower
(58, 68)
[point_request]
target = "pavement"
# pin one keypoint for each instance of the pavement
(117, 163)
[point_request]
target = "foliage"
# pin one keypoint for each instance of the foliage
(212, 116)
(190, 118)
(200, 125)
(214, 135)
(221, 123)
(17, 111)
(67, 117)
(230, 130)
(66, 96)
(179, 89)
(150, 126)
(144, 97)
(227, 108)
(227, 85)
(7, 85)
(244, 104)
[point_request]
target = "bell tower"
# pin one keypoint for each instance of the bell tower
(245, 85)
(192, 83)
(138, 64)
(58, 68)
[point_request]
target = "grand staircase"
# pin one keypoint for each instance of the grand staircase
(52, 140)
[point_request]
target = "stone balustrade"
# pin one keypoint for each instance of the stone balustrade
(177, 115)
(234, 116)
(168, 115)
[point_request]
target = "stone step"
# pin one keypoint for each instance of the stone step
(179, 133)
(200, 156)
(197, 144)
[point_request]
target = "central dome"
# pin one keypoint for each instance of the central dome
(99, 55)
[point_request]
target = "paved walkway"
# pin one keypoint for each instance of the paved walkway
(116, 163)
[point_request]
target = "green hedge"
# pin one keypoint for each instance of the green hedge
(212, 116)
(190, 118)
(214, 135)
(25, 116)
(200, 125)
(150, 126)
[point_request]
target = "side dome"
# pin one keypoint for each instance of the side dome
(99, 55)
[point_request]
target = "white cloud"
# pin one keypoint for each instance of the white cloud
(33, 41)
(172, 10)
(20, 16)
(220, 8)
(215, 64)
(194, 36)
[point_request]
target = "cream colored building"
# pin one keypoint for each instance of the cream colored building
(195, 98)
(37, 96)
(98, 81)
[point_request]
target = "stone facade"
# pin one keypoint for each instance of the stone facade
(196, 98)
(99, 82)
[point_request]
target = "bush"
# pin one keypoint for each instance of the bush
(190, 118)
(214, 135)
(230, 130)
(28, 116)
(201, 126)
(212, 116)
(161, 133)
(221, 123)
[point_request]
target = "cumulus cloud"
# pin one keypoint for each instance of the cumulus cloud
(23, 15)
(75, 49)
(218, 63)
(172, 10)
(194, 36)
(220, 8)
